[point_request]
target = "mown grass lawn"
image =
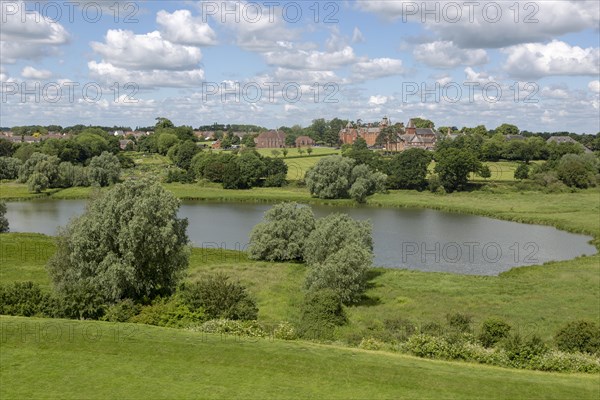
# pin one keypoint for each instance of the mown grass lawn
(87, 359)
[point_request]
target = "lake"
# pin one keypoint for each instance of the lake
(419, 239)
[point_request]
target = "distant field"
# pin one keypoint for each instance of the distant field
(44, 358)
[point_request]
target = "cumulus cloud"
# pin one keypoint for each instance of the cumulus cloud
(377, 100)
(482, 30)
(594, 86)
(125, 49)
(377, 68)
(108, 73)
(180, 27)
(33, 73)
(537, 60)
(27, 36)
(444, 54)
(357, 36)
(312, 59)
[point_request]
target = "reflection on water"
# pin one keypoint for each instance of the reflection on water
(425, 240)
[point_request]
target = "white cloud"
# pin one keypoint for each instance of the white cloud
(476, 27)
(180, 27)
(109, 73)
(594, 86)
(377, 68)
(444, 54)
(536, 60)
(377, 100)
(28, 35)
(311, 60)
(357, 36)
(151, 51)
(33, 73)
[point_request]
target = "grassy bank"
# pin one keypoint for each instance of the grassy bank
(83, 359)
(532, 299)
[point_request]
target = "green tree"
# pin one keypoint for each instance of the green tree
(165, 141)
(104, 169)
(577, 170)
(330, 177)
(453, 167)
(162, 123)
(344, 272)
(282, 234)
(184, 153)
(9, 167)
(507, 129)
(285, 152)
(320, 312)
(579, 335)
(423, 123)
(3, 221)
(522, 171)
(128, 244)
(408, 170)
(334, 233)
(6, 148)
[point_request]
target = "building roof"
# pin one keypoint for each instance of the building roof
(271, 135)
(562, 139)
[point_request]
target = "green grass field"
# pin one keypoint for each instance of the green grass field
(87, 359)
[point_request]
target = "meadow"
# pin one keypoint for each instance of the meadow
(88, 359)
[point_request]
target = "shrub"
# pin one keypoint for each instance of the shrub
(320, 312)
(460, 322)
(522, 171)
(577, 170)
(169, 312)
(81, 300)
(521, 352)
(233, 327)
(285, 331)
(371, 344)
(220, 298)
(25, 299)
(422, 345)
(179, 175)
(3, 221)
(558, 361)
(122, 311)
(9, 167)
(399, 329)
(282, 234)
(580, 335)
(492, 331)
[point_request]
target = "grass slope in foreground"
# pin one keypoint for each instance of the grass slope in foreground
(103, 360)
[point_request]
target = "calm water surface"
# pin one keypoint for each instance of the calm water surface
(425, 240)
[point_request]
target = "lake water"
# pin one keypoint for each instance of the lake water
(420, 239)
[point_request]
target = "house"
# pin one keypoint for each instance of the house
(349, 134)
(409, 137)
(124, 143)
(118, 133)
(567, 139)
(270, 140)
(514, 137)
(304, 141)
(216, 144)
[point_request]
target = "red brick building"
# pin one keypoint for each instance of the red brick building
(304, 141)
(270, 140)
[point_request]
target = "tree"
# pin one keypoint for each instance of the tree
(162, 123)
(507, 129)
(333, 233)
(522, 171)
(281, 236)
(165, 141)
(285, 152)
(3, 221)
(128, 244)
(577, 170)
(9, 167)
(330, 177)
(6, 148)
(453, 167)
(309, 150)
(344, 272)
(423, 123)
(579, 335)
(184, 153)
(408, 170)
(104, 169)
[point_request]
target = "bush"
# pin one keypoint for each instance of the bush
(169, 312)
(285, 331)
(25, 299)
(122, 311)
(371, 344)
(577, 170)
(220, 298)
(233, 327)
(81, 300)
(282, 234)
(521, 352)
(460, 322)
(179, 175)
(320, 312)
(580, 335)
(492, 331)
(3, 221)
(522, 171)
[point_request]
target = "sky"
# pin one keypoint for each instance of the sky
(276, 63)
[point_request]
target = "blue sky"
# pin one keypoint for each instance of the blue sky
(367, 60)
